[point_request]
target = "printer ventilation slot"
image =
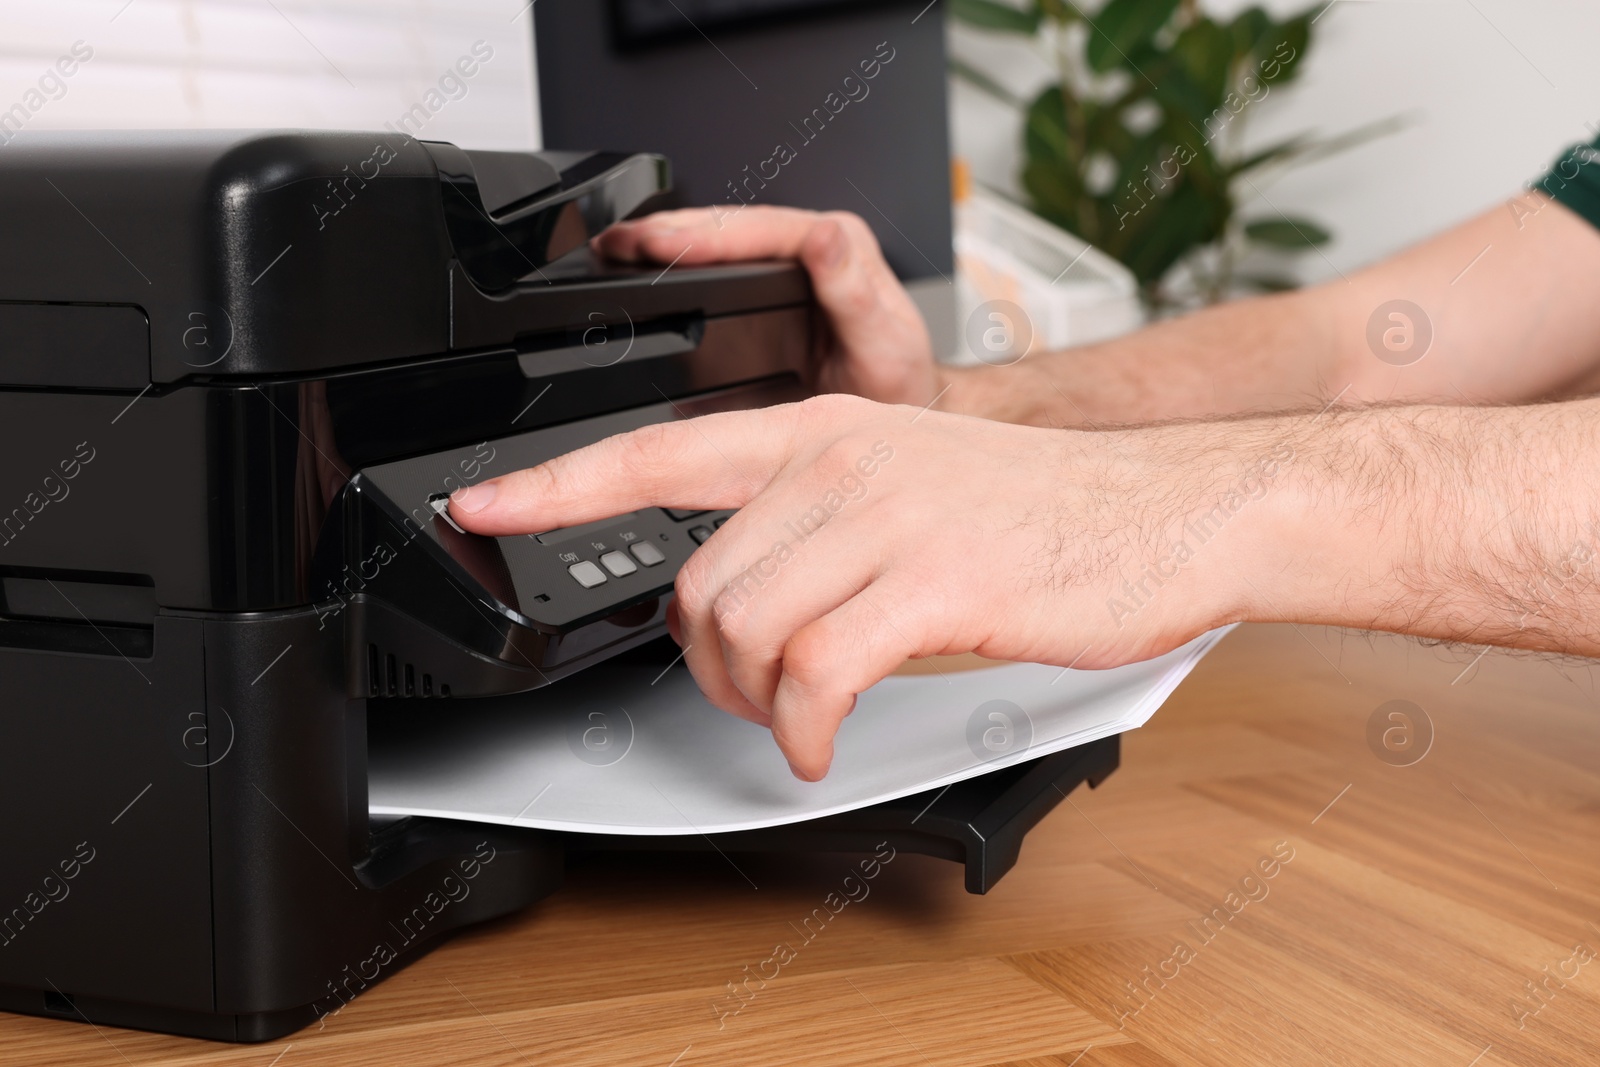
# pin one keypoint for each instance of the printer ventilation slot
(390, 677)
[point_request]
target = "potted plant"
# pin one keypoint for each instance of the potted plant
(1138, 147)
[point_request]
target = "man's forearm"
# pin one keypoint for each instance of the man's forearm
(1497, 310)
(1462, 524)
(1269, 354)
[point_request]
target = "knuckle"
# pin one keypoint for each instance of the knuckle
(835, 461)
(857, 301)
(547, 481)
(811, 658)
(844, 459)
(840, 454)
(735, 625)
(693, 587)
(854, 226)
(827, 408)
(818, 408)
(651, 449)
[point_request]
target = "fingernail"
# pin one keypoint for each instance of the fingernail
(474, 498)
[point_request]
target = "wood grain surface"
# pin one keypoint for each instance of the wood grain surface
(1443, 913)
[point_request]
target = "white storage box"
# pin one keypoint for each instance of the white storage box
(1024, 285)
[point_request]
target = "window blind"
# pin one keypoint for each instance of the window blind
(461, 70)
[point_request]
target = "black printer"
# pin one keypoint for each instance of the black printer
(240, 373)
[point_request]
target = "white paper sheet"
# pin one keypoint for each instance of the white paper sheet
(612, 752)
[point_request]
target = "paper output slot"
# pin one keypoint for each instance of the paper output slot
(603, 346)
(75, 600)
(77, 612)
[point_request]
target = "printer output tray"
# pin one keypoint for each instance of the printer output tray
(979, 823)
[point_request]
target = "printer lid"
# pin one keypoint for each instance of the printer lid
(138, 258)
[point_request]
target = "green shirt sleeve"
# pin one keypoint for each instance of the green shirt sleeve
(1575, 181)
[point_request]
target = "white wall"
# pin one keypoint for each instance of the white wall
(352, 64)
(1487, 119)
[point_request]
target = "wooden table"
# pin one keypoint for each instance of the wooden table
(1410, 913)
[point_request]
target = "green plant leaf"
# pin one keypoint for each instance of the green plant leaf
(1124, 27)
(992, 15)
(1179, 94)
(1289, 233)
(1208, 176)
(1269, 283)
(1316, 150)
(1140, 181)
(1105, 129)
(1248, 29)
(982, 82)
(1195, 153)
(1175, 226)
(1205, 51)
(1061, 10)
(1282, 49)
(1054, 194)
(1282, 150)
(1044, 130)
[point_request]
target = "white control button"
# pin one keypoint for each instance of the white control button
(618, 564)
(646, 553)
(587, 574)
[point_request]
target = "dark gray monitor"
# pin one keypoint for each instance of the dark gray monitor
(821, 104)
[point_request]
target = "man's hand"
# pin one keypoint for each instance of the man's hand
(1527, 291)
(875, 345)
(871, 534)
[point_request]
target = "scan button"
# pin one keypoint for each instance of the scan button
(646, 553)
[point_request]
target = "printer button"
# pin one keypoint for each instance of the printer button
(677, 515)
(618, 564)
(647, 553)
(700, 534)
(587, 574)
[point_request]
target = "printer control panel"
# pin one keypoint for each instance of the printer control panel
(621, 551)
(567, 577)
(536, 603)
(557, 580)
